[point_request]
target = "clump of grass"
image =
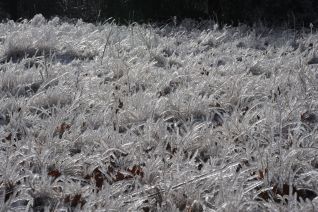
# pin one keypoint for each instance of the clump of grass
(180, 118)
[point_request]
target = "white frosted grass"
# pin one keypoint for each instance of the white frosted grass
(212, 117)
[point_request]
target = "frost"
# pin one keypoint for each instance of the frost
(190, 117)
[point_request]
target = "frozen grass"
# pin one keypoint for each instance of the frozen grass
(147, 118)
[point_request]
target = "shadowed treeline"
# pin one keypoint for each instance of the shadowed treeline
(299, 12)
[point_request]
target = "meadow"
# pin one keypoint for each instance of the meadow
(145, 117)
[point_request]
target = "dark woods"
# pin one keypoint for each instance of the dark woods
(299, 12)
(11, 8)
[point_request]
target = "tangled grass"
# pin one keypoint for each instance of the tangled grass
(157, 118)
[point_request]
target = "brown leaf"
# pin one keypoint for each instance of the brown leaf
(136, 170)
(120, 176)
(99, 178)
(75, 200)
(260, 174)
(129, 173)
(60, 130)
(54, 173)
(284, 190)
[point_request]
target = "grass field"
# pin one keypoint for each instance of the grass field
(185, 117)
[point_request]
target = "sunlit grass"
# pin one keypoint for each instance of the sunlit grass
(148, 118)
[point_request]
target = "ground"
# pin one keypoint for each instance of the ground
(146, 118)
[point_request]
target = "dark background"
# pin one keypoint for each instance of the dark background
(270, 12)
